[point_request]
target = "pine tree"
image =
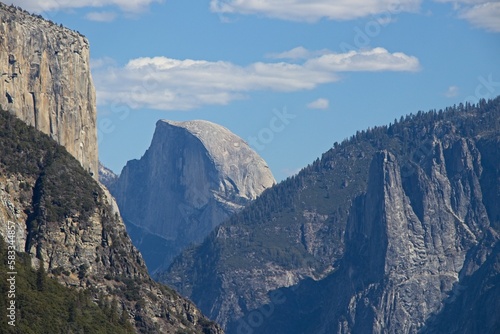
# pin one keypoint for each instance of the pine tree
(124, 318)
(72, 311)
(41, 277)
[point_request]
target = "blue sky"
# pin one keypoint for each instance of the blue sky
(289, 76)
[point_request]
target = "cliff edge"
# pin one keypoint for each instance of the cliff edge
(45, 81)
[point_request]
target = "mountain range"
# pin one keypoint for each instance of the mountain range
(394, 230)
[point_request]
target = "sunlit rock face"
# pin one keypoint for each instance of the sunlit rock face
(194, 175)
(45, 81)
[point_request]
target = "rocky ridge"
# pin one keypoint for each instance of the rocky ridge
(106, 176)
(67, 222)
(45, 80)
(400, 271)
(387, 233)
(194, 175)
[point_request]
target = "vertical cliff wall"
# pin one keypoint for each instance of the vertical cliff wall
(45, 81)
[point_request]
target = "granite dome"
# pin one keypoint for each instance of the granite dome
(236, 161)
(194, 175)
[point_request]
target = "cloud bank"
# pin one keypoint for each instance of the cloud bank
(483, 14)
(171, 84)
(313, 10)
(43, 6)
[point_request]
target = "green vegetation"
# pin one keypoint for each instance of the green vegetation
(329, 185)
(62, 186)
(50, 186)
(53, 186)
(45, 306)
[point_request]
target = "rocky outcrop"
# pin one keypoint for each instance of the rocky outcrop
(404, 266)
(51, 210)
(393, 231)
(106, 176)
(194, 175)
(400, 271)
(57, 215)
(45, 81)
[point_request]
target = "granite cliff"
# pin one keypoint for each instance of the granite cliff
(60, 221)
(45, 80)
(394, 230)
(194, 175)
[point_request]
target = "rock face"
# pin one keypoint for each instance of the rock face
(409, 249)
(45, 81)
(106, 176)
(410, 254)
(194, 175)
(66, 220)
(393, 231)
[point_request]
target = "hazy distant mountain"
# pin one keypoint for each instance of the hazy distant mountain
(106, 176)
(392, 231)
(194, 175)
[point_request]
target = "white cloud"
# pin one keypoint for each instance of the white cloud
(297, 53)
(481, 13)
(378, 59)
(452, 91)
(101, 62)
(321, 104)
(484, 14)
(101, 16)
(313, 10)
(41, 6)
(171, 84)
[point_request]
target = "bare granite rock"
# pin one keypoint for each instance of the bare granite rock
(59, 216)
(45, 81)
(194, 175)
(106, 176)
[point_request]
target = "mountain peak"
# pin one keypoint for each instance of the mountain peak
(194, 176)
(237, 163)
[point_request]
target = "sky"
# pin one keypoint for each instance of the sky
(291, 77)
